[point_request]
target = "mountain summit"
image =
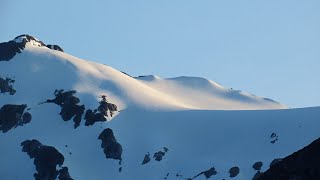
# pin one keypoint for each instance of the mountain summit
(65, 118)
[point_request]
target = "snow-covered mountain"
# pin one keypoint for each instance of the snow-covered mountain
(63, 117)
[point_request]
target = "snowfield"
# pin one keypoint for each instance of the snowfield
(176, 128)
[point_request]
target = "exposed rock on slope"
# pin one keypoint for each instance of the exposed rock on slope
(6, 85)
(301, 165)
(69, 106)
(234, 171)
(46, 159)
(175, 112)
(55, 47)
(100, 114)
(9, 49)
(111, 148)
(12, 116)
(208, 173)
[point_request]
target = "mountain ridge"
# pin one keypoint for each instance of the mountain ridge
(101, 123)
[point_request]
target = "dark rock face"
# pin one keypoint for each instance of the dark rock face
(257, 175)
(13, 116)
(28, 38)
(9, 49)
(6, 86)
(275, 161)
(158, 155)
(93, 116)
(46, 159)
(208, 173)
(69, 106)
(234, 171)
(274, 138)
(301, 165)
(64, 174)
(257, 166)
(105, 106)
(101, 112)
(111, 148)
(55, 47)
(165, 149)
(146, 159)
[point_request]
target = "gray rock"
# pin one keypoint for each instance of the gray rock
(112, 149)
(55, 47)
(257, 175)
(69, 106)
(6, 86)
(12, 115)
(46, 159)
(234, 171)
(275, 161)
(146, 159)
(301, 165)
(257, 165)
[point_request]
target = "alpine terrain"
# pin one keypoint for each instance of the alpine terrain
(65, 118)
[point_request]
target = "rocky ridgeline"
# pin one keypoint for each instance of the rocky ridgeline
(301, 165)
(9, 49)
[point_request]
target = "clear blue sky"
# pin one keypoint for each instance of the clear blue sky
(265, 47)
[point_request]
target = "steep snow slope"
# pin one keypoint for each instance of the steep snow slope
(158, 134)
(206, 94)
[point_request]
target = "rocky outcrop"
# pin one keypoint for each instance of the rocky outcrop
(111, 148)
(100, 114)
(94, 116)
(12, 116)
(274, 138)
(6, 86)
(9, 49)
(234, 171)
(64, 174)
(301, 165)
(275, 161)
(146, 159)
(208, 173)
(46, 159)
(55, 47)
(257, 175)
(257, 165)
(69, 106)
(158, 155)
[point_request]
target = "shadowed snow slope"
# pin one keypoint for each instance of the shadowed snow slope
(177, 128)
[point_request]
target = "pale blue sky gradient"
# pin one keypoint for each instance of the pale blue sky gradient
(266, 47)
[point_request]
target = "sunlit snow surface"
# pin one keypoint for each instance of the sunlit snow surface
(183, 114)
